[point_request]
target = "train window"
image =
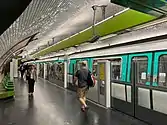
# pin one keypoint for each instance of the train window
(141, 64)
(77, 66)
(116, 69)
(162, 79)
(59, 71)
(95, 68)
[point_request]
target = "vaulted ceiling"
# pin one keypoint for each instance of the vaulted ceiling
(56, 20)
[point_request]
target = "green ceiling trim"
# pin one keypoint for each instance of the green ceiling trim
(120, 22)
(152, 7)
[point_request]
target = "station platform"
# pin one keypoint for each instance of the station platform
(52, 105)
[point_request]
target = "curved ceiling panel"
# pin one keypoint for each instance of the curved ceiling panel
(56, 19)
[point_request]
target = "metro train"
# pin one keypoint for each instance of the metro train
(134, 76)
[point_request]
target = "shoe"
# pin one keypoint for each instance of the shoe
(83, 109)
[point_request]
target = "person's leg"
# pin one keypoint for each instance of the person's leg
(80, 96)
(21, 74)
(84, 98)
(33, 86)
(29, 87)
(82, 102)
(85, 95)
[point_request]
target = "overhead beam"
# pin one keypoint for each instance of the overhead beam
(114, 24)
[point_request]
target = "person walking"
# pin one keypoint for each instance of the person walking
(82, 87)
(31, 79)
(22, 70)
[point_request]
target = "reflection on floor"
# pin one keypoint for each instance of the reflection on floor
(54, 106)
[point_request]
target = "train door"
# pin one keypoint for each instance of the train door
(120, 89)
(140, 66)
(99, 92)
(159, 89)
(101, 82)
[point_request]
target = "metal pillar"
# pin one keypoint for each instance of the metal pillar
(45, 70)
(108, 96)
(94, 7)
(94, 19)
(65, 73)
(15, 68)
(103, 8)
(11, 71)
(37, 70)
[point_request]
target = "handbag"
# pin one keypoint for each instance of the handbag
(91, 80)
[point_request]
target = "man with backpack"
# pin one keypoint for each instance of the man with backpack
(84, 80)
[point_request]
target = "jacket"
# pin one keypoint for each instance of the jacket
(33, 75)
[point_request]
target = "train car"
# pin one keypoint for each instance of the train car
(136, 74)
(52, 70)
(132, 74)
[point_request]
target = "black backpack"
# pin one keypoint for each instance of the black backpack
(89, 80)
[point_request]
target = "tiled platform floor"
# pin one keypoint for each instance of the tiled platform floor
(54, 106)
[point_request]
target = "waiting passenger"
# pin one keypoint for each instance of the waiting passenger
(82, 75)
(22, 70)
(31, 79)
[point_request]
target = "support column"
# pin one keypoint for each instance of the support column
(108, 89)
(11, 71)
(37, 70)
(65, 73)
(45, 70)
(15, 68)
